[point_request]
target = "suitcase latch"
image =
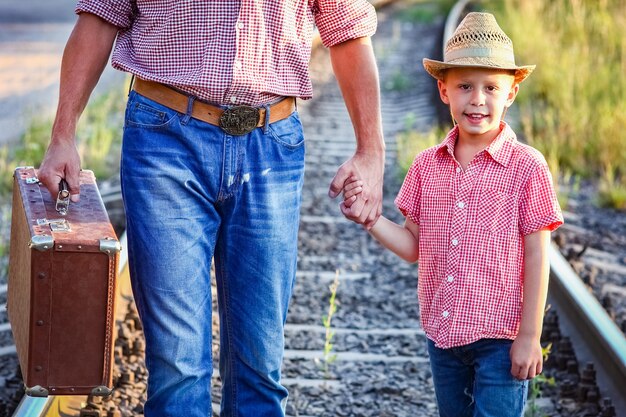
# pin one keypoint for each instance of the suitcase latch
(56, 225)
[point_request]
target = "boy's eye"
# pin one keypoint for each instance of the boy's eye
(464, 86)
(492, 88)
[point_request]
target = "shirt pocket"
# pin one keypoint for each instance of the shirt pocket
(496, 210)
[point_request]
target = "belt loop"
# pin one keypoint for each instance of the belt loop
(267, 118)
(132, 83)
(187, 117)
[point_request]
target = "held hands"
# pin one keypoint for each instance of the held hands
(526, 357)
(360, 179)
(61, 162)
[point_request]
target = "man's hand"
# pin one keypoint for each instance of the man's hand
(61, 162)
(526, 358)
(369, 168)
(84, 58)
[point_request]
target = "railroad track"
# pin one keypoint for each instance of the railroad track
(377, 351)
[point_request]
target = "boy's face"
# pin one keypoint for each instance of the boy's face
(477, 98)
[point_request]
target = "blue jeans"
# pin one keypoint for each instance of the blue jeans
(475, 380)
(193, 193)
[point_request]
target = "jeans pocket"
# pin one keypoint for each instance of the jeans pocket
(288, 132)
(145, 113)
(496, 210)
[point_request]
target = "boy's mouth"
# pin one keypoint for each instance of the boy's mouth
(476, 117)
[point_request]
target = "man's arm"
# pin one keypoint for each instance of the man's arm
(84, 58)
(526, 356)
(355, 68)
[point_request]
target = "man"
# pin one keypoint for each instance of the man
(212, 166)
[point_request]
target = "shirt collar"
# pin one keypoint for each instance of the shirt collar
(500, 149)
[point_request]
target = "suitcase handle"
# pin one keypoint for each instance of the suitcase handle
(63, 198)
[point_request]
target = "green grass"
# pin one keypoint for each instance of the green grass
(98, 139)
(412, 142)
(572, 106)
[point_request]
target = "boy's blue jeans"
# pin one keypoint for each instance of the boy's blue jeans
(475, 380)
(193, 193)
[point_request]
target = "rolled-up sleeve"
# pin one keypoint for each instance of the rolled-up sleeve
(341, 20)
(116, 12)
(409, 197)
(539, 206)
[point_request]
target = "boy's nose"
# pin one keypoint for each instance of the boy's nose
(477, 98)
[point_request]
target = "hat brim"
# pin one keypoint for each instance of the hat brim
(437, 68)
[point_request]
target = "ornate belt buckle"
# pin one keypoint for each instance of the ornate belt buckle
(239, 120)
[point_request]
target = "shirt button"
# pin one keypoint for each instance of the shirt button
(455, 242)
(445, 314)
(239, 25)
(238, 64)
(460, 204)
(458, 169)
(450, 278)
(233, 99)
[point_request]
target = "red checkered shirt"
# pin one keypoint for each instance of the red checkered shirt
(229, 52)
(472, 225)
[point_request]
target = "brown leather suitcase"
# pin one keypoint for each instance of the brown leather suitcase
(61, 289)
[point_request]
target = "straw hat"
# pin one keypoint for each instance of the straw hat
(478, 42)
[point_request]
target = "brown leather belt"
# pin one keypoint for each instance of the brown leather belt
(237, 120)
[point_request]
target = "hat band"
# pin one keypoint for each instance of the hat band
(495, 54)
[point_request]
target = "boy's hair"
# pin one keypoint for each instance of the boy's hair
(478, 42)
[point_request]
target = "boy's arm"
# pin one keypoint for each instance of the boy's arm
(401, 240)
(526, 356)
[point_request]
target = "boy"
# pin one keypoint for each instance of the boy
(479, 210)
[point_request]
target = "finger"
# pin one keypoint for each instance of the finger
(73, 184)
(354, 211)
(344, 209)
(336, 185)
(348, 202)
(351, 193)
(532, 372)
(522, 373)
(350, 185)
(539, 368)
(50, 180)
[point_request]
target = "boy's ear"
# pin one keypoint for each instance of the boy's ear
(512, 94)
(443, 91)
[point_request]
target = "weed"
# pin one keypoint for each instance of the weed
(330, 357)
(535, 386)
(611, 193)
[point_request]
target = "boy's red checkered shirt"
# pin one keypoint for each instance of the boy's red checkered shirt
(472, 225)
(229, 52)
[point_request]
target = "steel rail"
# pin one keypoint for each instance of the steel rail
(595, 335)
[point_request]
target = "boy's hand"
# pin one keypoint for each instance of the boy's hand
(526, 357)
(368, 167)
(352, 187)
